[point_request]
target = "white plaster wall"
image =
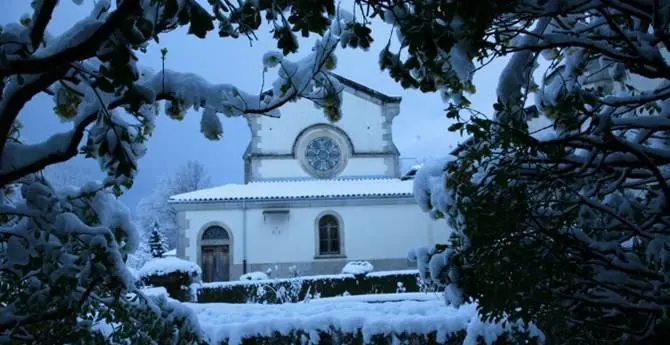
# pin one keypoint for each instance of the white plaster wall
(197, 221)
(370, 232)
(289, 167)
(361, 120)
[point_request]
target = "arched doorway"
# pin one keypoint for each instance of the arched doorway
(215, 254)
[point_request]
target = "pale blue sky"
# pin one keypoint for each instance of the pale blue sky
(419, 131)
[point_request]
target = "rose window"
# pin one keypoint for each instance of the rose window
(323, 154)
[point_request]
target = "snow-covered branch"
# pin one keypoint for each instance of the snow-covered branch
(578, 207)
(63, 252)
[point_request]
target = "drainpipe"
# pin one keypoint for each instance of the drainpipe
(244, 236)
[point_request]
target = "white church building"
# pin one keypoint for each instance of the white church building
(316, 195)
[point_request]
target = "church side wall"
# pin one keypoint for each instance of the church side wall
(381, 234)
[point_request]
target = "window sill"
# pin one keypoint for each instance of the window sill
(329, 256)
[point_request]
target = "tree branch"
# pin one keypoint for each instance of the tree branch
(12, 103)
(81, 51)
(43, 18)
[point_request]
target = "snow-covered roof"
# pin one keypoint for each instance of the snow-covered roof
(411, 172)
(301, 189)
(360, 88)
(364, 89)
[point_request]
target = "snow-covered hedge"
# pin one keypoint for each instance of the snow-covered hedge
(174, 274)
(373, 319)
(300, 288)
(357, 268)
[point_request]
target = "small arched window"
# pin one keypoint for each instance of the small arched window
(215, 235)
(329, 235)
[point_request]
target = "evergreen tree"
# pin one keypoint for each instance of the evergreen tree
(156, 242)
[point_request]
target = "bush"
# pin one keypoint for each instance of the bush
(337, 336)
(174, 274)
(301, 288)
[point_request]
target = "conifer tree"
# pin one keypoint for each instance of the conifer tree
(156, 242)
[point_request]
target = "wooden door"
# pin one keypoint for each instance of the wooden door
(215, 263)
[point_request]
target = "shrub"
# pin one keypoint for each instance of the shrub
(337, 336)
(174, 274)
(301, 288)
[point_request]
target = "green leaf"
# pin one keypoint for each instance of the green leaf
(456, 126)
(171, 8)
(286, 40)
(201, 22)
(105, 85)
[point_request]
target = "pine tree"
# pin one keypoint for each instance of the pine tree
(156, 242)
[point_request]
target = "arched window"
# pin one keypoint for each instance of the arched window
(329, 235)
(215, 233)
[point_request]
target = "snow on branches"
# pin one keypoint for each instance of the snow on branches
(575, 214)
(63, 254)
(102, 80)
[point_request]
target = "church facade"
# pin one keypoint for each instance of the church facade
(316, 195)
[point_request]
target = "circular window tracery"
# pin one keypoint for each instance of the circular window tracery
(323, 154)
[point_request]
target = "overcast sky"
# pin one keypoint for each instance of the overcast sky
(420, 130)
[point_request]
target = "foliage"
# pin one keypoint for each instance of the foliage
(333, 335)
(69, 174)
(301, 288)
(78, 278)
(156, 242)
(565, 225)
(62, 256)
(177, 284)
(155, 208)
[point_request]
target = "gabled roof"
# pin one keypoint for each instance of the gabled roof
(301, 189)
(360, 88)
(366, 90)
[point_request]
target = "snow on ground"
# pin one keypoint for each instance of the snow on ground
(408, 312)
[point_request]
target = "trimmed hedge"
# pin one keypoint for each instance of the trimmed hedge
(336, 336)
(174, 274)
(176, 284)
(298, 289)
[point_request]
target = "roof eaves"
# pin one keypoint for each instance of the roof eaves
(366, 90)
(291, 198)
(358, 87)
